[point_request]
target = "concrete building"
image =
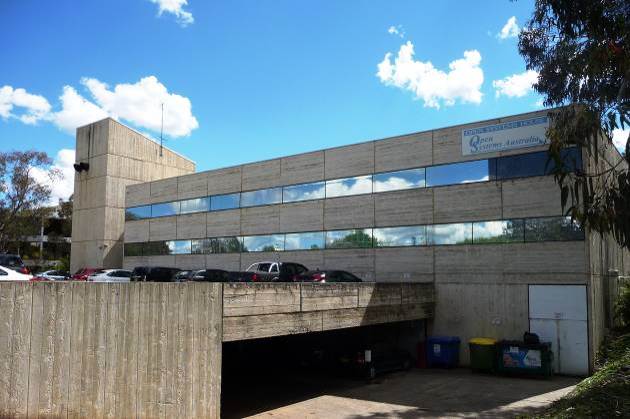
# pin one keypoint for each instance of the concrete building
(470, 209)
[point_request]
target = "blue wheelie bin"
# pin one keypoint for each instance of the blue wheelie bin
(443, 351)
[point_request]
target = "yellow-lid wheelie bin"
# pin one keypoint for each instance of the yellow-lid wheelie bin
(482, 354)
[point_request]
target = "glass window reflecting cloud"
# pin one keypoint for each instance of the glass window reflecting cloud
(270, 243)
(304, 241)
(456, 173)
(400, 236)
(508, 231)
(552, 228)
(261, 197)
(164, 209)
(394, 181)
(536, 164)
(347, 239)
(194, 205)
(349, 186)
(138, 213)
(303, 192)
(222, 202)
(178, 247)
(450, 233)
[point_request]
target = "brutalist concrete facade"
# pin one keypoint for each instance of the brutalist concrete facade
(117, 156)
(481, 289)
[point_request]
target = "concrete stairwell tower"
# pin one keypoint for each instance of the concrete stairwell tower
(113, 157)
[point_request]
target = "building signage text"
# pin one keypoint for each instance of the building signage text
(507, 136)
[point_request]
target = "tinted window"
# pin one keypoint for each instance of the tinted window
(274, 268)
(304, 241)
(11, 261)
(456, 173)
(201, 246)
(227, 245)
(508, 231)
(138, 213)
(165, 209)
(349, 238)
(133, 249)
(178, 247)
(349, 186)
(194, 205)
(263, 267)
(261, 197)
(536, 164)
(270, 243)
(552, 228)
(394, 181)
(450, 233)
(303, 192)
(156, 248)
(221, 202)
(400, 236)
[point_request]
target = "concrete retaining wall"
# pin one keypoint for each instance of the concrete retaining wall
(116, 350)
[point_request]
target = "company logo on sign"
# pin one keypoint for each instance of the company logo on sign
(507, 136)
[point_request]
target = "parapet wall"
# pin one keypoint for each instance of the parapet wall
(110, 350)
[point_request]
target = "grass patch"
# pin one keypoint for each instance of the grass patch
(605, 394)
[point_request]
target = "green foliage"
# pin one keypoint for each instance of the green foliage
(605, 394)
(63, 264)
(580, 50)
(622, 307)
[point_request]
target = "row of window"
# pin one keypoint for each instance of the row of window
(502, 231)
(500, 168)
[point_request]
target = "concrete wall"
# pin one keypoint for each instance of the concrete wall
(118, 157)
(607, 259)
(110, 350)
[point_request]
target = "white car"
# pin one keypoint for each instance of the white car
(111, 275)
(7, 274)
(55, 275)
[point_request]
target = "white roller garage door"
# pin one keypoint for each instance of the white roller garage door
(558, 314)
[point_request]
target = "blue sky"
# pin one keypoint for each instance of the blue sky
(250, 80)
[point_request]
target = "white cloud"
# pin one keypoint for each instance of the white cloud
(175, 7)
(141, 104)
(620, 137)
(510, 29)
(32, 107)
(396, 30)
(463, 81)
(516, 85)
(75, 111)
(63, 186)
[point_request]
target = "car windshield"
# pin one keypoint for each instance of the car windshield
(10, 261)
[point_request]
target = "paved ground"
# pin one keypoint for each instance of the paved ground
(417, 393)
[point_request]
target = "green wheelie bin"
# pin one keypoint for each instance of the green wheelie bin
(482, 354)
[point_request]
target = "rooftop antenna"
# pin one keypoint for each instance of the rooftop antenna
(161, 129)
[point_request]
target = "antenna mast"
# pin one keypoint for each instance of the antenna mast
(161, 129)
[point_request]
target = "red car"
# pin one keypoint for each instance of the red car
(83, 273)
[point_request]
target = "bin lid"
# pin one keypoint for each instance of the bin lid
(482, 341)
(443, 339)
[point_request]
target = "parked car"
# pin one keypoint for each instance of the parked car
(83, 274)
(277, 271)
(8, 274)
(214, 275)
(111, 275)
(154, 274)
(328, 276)
(186, 275)
(54, 275)
(13, 262)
